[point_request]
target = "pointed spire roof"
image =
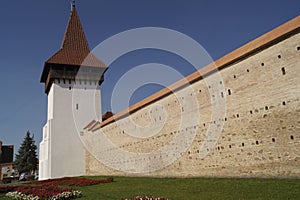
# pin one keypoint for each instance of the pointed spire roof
(74, 38)
(73, 54)
(75, 49)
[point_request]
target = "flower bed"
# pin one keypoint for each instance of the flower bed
(51, 189)
(64, 195)
(69, 181)
(146, 198)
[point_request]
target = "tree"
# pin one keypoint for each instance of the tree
(26, 159)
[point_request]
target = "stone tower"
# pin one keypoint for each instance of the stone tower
(72, 79)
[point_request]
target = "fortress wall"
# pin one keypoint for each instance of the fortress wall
(255, 134)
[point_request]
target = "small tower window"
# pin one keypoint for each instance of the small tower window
(283, 71)
(77, 106)
(229, 92)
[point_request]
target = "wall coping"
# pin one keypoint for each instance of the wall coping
(268, 39)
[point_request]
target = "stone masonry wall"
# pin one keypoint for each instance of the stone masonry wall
(259, 125)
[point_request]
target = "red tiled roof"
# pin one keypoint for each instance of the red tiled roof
(90, 124)
(107, 115)
(75, 49)
(73, 54)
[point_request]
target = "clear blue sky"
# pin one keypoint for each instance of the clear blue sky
(32, 31)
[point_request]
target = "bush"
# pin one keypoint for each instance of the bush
(5, 189)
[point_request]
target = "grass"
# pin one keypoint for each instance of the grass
(193, 188)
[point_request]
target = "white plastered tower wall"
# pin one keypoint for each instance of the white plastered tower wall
(70, 107)
(72, 78)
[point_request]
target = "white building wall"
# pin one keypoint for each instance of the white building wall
(44, 153)
(71, 106)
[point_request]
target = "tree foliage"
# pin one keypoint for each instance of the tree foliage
(26, 159)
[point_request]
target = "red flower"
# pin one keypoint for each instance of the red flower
(52, 187)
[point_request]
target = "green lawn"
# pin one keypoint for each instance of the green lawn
(193, 188)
